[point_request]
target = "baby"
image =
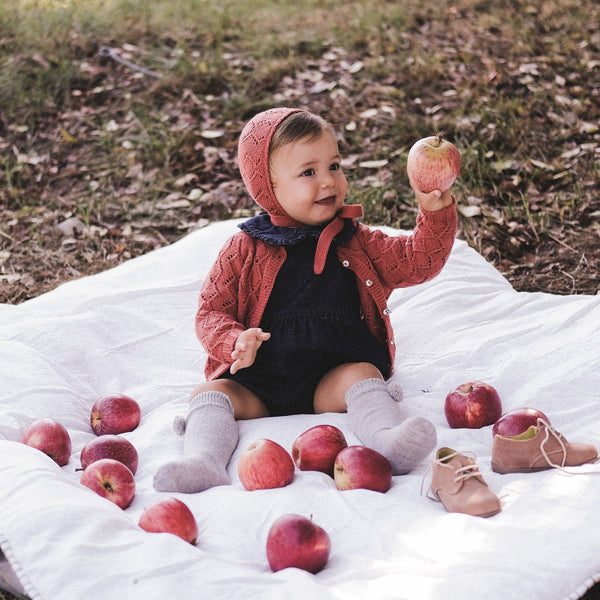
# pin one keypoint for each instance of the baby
(293, 314)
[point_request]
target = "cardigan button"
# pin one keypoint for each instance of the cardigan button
(345, 263)
(392, 342)
(386, 311)
(369, 282)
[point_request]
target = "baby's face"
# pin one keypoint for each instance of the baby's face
(307, 179)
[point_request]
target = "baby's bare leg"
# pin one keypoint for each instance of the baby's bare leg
(330, 395)
(246, 404)
(210, 437)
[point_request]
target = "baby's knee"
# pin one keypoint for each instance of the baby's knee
(369, 370)
(331, 391)
(352, 373)
(246, 404)
(208, 386)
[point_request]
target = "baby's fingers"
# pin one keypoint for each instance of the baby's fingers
(256, 333)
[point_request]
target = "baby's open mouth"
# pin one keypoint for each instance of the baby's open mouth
(329, 201)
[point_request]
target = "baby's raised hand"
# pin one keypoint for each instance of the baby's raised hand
(246, 347)
(432, 201)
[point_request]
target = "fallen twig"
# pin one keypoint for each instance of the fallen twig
(8, 237)
(108, 52)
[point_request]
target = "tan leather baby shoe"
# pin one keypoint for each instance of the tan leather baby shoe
(540, 447)
(457, 483)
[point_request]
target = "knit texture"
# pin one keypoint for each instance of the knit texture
(262, 227)
(253, 157)
(382, 424)
(210, 437)
(235, 292)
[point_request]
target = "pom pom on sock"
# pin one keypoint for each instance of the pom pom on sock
(179, 425)
(210, 437)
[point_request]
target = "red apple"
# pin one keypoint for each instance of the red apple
(170, 515)
(264, 464)
(51, 438)
(433, 164)
(295, 541)
(472, 405)
(110, 479)
(114, 414)
(316, 448)
(517, 421)
(362, 467)
(110, 446)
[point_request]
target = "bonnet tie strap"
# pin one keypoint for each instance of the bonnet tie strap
(348, 211)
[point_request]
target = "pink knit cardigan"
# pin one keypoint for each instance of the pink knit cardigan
(237, 288)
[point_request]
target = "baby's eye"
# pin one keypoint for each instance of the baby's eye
(308, 173)
(335, 166)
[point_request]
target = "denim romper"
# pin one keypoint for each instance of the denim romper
(314, 321)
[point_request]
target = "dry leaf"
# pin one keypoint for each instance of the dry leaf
(211, 134)
(373, 164)
(469, 211)
(186, 179)
(369, 113)
(67, 137)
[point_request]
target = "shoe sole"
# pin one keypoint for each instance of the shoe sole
(502, 470)
(490, 514)
(483, 516)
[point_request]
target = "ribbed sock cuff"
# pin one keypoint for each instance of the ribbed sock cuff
(366, 385)
(210, 398)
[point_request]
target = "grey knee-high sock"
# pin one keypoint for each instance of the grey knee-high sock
(380, 423)
(210, 437)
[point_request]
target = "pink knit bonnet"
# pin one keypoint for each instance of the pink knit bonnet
(253, 157)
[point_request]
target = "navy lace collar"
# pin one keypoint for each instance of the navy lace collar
(261, 227)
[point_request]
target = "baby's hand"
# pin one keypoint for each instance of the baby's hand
(246, 347)
(434, 200)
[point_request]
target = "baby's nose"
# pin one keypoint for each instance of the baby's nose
(327, 180)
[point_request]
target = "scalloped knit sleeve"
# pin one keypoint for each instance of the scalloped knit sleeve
(217, 325)
(402, 261)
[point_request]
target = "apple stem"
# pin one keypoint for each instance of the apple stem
(440, 138)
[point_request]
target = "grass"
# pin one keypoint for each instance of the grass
(513, 84)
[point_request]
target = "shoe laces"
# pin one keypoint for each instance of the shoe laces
(462, 473)
(549, 432)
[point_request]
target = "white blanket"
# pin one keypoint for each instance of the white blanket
(130, 330)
